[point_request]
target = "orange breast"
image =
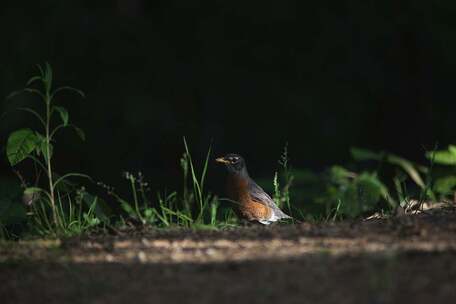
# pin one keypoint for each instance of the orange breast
(252, 210)
(238, 191)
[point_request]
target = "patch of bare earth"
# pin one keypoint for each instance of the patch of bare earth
(402, 259)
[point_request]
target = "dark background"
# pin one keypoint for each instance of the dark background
(246, 76)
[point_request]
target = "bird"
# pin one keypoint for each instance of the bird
(252, 202)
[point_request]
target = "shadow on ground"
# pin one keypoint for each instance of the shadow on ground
(397, 260)
(408, 278)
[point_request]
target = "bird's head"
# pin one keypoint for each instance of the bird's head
(234, 163)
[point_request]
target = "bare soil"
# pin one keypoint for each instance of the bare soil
(407, 259)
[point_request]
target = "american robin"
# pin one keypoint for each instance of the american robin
(253, 204)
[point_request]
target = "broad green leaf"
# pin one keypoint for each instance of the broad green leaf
(20, 144)
(40, 138)
(127, 208)
(452, 149)
(443, 157)
(340, 175)
(407, 166)
(31, 194)
(32, 190)
(354, 194)
(359, 154)
(63, 114)
(375, 183)
(445, 185)
(148, 213)
(360, 195)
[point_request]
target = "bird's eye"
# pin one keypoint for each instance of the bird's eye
(235, 159)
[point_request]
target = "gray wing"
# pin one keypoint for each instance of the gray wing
(259, 195)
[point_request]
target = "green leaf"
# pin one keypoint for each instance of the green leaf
(48, 76)
(452, 149)
(127, 208)
(363, 154)
(408, 167)
(149, 213)
(67, 88)
(32, 80)
(31, 195)
(32, 190)
(445, 185)
(361, 195)
(14, 94)
(41, 70)
(340, 175)
(359, 154)
(443, 157)
(65, 176)
(34, 91)
(43, 149)
(80, 132)
(20, 144)
(63, 114)
(100, 207)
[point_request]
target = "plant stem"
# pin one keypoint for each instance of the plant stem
(48, 157)
(135, 198)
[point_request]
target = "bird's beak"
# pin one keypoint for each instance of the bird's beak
(221, 160)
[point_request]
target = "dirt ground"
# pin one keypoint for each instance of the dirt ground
(407, 259)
